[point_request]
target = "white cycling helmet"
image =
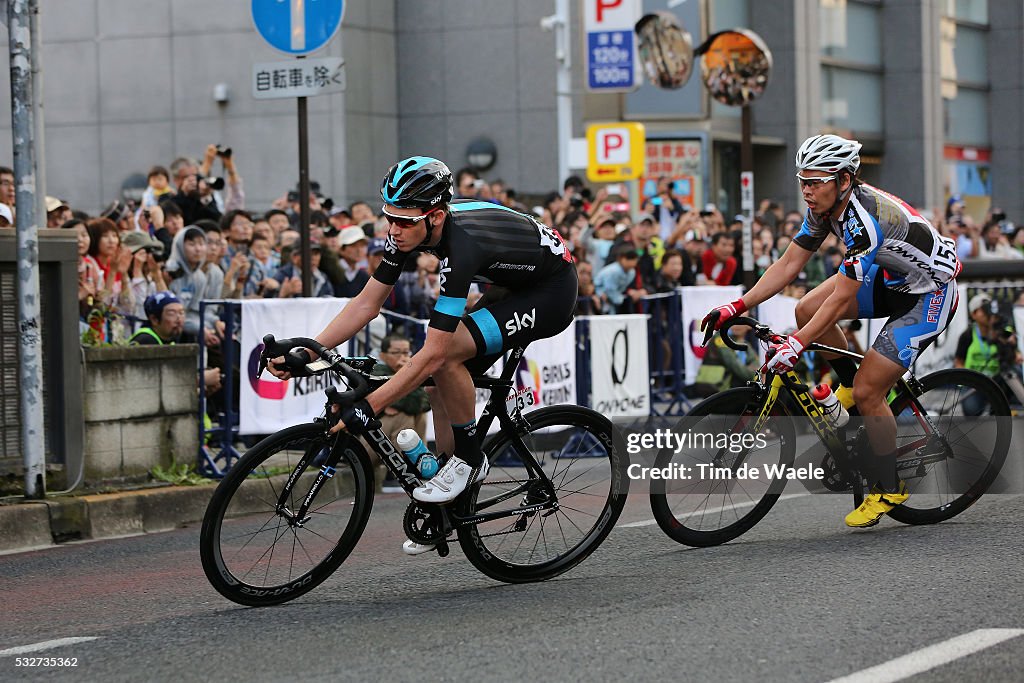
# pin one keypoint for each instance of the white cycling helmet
(829, 153)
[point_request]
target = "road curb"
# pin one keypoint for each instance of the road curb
(24, 527)
(40, 524)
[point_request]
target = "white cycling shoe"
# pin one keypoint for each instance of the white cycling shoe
(452, 480)
(413, 548)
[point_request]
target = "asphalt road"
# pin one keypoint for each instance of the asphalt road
(798, 598)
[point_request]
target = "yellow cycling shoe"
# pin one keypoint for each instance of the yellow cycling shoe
(845, 396)
(876, 504)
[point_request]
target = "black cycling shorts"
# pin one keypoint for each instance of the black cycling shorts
(506, 318)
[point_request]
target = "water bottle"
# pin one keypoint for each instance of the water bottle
(831, 408)
(416, 452)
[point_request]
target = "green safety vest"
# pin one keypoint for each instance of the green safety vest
(151, 333)
(982, 356)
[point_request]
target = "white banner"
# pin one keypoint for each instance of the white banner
(619, 373)
(778, 313)
(265, 403)
(697, 301)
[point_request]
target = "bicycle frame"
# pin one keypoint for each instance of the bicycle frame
(396, 462)
(833, 438)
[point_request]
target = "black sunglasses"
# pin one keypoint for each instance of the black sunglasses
(404, 221)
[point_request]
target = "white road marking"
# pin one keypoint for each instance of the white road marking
(45, 645)
(708, 511)
(932, 656)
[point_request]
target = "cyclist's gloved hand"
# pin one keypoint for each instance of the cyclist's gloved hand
(359, 418)
(782, 356)
(718, 316)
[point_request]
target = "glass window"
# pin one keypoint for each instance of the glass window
(970, 54)
(851, 99)
(966, 118)
(851, 32)
(968, 10)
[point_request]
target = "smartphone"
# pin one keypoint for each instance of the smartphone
(615, 188)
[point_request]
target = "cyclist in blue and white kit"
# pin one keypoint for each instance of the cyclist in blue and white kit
(896, 266)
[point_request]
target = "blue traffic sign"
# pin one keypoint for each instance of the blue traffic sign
(610, 60)
(297, 27)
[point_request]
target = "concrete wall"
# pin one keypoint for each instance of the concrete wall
(141, 404)
(465, 70)
(129, 84)
(1006, 104)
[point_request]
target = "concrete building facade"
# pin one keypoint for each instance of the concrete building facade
(933, 88)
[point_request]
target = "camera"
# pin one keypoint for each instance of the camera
(293, 196)
(576, 202)
(214, 182)
(327, 204)
(224, 152)
(998, 216)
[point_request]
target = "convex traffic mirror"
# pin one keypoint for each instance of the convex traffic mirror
(736, 66)
(666, 50)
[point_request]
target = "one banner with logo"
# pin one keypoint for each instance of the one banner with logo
(696, 302)
(265, 403)
(620, 378)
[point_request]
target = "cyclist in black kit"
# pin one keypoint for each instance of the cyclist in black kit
(532, 297)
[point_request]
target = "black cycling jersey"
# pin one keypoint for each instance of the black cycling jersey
(483, 242)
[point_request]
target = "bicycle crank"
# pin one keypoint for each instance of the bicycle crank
(424, 523)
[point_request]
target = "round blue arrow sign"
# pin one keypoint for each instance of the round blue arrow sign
(297, 27)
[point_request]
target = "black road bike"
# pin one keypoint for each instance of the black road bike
(292, 509)
(953, 435)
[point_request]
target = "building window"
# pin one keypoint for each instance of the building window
(964, 68)
(851, 65)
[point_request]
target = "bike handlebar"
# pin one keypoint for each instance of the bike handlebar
(761, 331)
(299, 364)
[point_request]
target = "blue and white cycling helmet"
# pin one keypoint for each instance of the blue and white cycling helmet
(417, 183)
(829, 153)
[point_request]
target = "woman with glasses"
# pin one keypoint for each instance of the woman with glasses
(896, 265)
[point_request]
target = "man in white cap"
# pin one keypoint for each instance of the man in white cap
(352, 243)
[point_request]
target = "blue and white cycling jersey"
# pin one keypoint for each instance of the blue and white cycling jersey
(881, 229)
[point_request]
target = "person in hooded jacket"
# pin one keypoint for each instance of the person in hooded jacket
(194, 279)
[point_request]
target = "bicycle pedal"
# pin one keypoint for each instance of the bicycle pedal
(442, 548)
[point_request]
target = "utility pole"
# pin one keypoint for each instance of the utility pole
(29, 343)
(559, 23)
(39, 159)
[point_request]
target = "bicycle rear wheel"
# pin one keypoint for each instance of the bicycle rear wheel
(705, 502)
(583, 458)
(254, 551)
(951, 458)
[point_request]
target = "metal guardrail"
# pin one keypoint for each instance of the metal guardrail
(218, 452)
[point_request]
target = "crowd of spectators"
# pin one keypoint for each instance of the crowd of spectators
(192, 235)
(145, 266)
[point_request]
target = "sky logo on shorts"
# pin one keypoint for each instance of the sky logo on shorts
(517, 323)
(274, 389)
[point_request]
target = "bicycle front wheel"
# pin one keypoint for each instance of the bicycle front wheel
(724, 477)
(950, 454)
(255, 549)
(582, 458)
